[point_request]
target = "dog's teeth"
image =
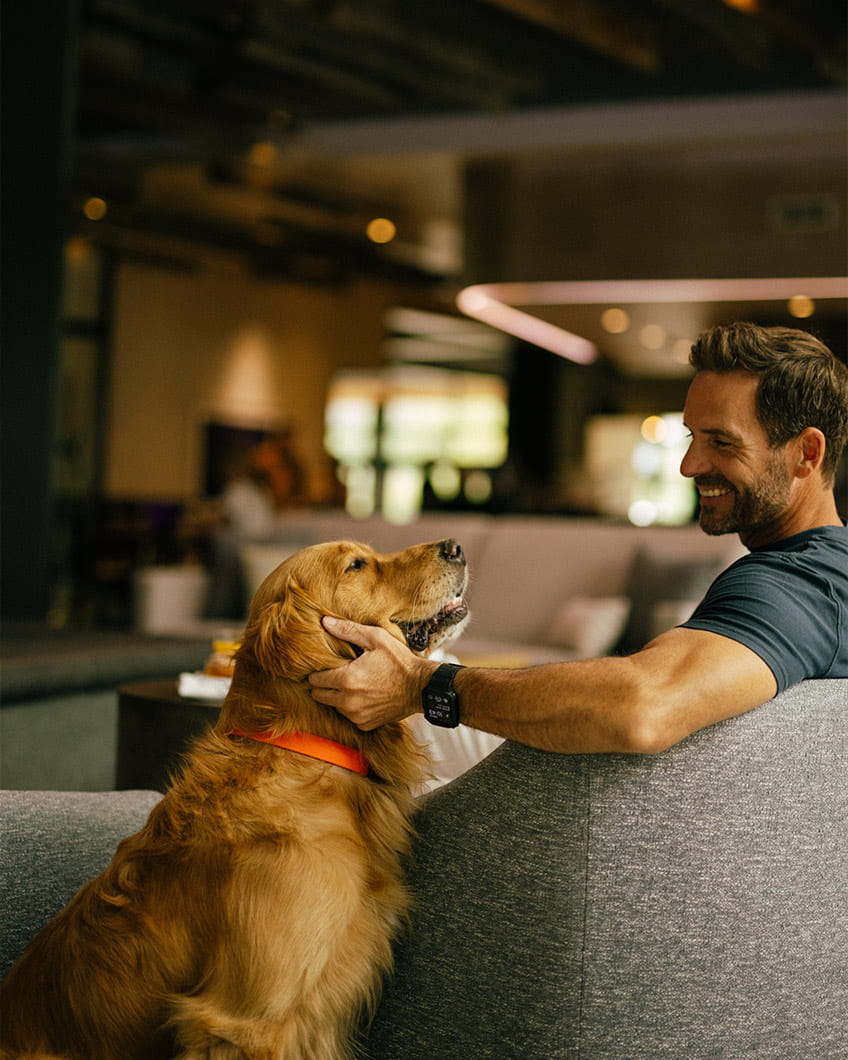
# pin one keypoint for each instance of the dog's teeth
(418, 634)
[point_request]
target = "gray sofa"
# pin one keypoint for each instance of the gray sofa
(602, 907)
(59, 699)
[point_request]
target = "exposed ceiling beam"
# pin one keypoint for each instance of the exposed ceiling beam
(653, 123)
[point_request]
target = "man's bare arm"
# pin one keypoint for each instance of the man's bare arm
(682, 681)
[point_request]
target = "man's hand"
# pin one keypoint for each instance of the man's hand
(384, 684)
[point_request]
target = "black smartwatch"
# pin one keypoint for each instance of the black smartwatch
(441, 703)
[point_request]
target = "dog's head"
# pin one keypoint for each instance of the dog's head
(416, 595)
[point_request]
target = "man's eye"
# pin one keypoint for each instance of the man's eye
(356, 564)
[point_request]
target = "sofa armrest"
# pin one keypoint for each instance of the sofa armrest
(52, 842)
(686, 904)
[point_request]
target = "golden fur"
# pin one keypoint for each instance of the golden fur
(252, 917)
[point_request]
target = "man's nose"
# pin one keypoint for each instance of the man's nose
(693, 463)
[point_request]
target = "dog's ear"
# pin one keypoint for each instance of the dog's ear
(287, 639)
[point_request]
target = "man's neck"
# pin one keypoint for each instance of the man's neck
(810, 516)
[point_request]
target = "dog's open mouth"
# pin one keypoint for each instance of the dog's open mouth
(420, 634)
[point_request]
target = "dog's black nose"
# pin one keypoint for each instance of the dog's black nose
(451, 551)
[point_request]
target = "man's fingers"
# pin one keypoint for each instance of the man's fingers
(353, 632)
(332, 696)
(324, 687)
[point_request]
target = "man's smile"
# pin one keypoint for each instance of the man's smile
(705, 491)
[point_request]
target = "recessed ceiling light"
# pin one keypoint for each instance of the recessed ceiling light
(800, 306)
(652, 336)
(615, 321)
(95, 208)
(381, 230)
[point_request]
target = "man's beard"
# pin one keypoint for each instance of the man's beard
(753, 507)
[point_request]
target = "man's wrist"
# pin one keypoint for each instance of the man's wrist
(424, 671)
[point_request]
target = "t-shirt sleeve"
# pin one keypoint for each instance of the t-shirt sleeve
(784, 613)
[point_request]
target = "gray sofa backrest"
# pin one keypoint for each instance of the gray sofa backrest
(611, 907)
(51, 843)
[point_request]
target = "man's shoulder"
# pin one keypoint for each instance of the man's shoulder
(813, 561)
(818, 537)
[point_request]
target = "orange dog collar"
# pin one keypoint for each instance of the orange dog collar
(337, 754)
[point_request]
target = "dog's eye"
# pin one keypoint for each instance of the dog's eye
(356, 564)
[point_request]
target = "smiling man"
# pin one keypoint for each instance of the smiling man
(768, 415)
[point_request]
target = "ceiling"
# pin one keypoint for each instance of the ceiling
(201, 121)
(221, 73)
(276, 130)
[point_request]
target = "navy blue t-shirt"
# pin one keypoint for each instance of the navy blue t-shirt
(788, 602)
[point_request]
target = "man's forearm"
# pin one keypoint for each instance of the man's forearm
(641, 703)
(578, 707)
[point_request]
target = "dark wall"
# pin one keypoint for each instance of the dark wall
(38, 104)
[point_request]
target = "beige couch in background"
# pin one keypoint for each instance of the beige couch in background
(542, 588)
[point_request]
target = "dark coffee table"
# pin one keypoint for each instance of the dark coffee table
(155, 726)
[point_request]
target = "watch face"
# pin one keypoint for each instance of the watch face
(440, 702)
(441, 708)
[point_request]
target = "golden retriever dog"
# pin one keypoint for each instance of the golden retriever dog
(252, 917)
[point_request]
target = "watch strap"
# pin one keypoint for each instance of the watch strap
(442, 677)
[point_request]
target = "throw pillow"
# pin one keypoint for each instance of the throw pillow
(589, 626)
(666, 614)
(656, 579)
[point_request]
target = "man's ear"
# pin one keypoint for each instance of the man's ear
(811, 444)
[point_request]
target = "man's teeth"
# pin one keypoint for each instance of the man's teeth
(718, 492)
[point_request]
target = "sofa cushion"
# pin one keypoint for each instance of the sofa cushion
(52, 843)
(666, 614)
(41, 662)
(589, 626)
(658, 579)
(507, 654)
